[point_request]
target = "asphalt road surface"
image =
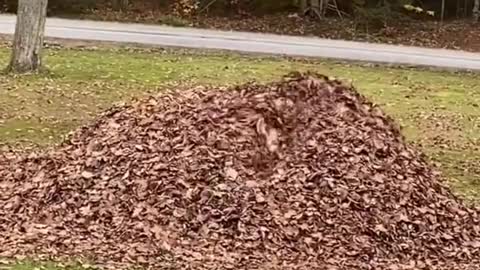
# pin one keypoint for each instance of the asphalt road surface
(251, 43)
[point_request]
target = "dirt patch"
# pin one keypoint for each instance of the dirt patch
(301, 174)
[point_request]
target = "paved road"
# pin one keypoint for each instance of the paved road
(251, 42)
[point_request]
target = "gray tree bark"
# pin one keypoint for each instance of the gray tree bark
(302, 5)
(316, 6)
(442, 15)
(29, 33)
(121, 5)
(476, 10)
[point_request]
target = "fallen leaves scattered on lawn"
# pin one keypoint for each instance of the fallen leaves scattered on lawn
(300, 174)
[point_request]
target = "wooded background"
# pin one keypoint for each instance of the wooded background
(451, 8)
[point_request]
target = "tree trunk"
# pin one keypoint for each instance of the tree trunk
(29, 33)
(120, 5)
(302, 5)
(459, 8)
(442, 16)
(316, 6)
(476, 10)
(465, 9)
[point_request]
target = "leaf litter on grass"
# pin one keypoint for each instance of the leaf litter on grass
(304, 173)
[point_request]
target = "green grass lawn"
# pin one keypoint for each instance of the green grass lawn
(31, 265)
(438, 110)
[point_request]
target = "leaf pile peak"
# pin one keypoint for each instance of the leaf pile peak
(304, 173)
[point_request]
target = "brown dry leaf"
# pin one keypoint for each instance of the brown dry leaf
(39, 177)
(270, 135)
(272, 140)
(87, 174)
(231, 173)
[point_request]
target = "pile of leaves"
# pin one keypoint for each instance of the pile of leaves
(300, 174)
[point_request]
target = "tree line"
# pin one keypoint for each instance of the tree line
(30, 27)
(440, 8)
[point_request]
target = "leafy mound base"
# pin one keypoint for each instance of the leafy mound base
(300, 174)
